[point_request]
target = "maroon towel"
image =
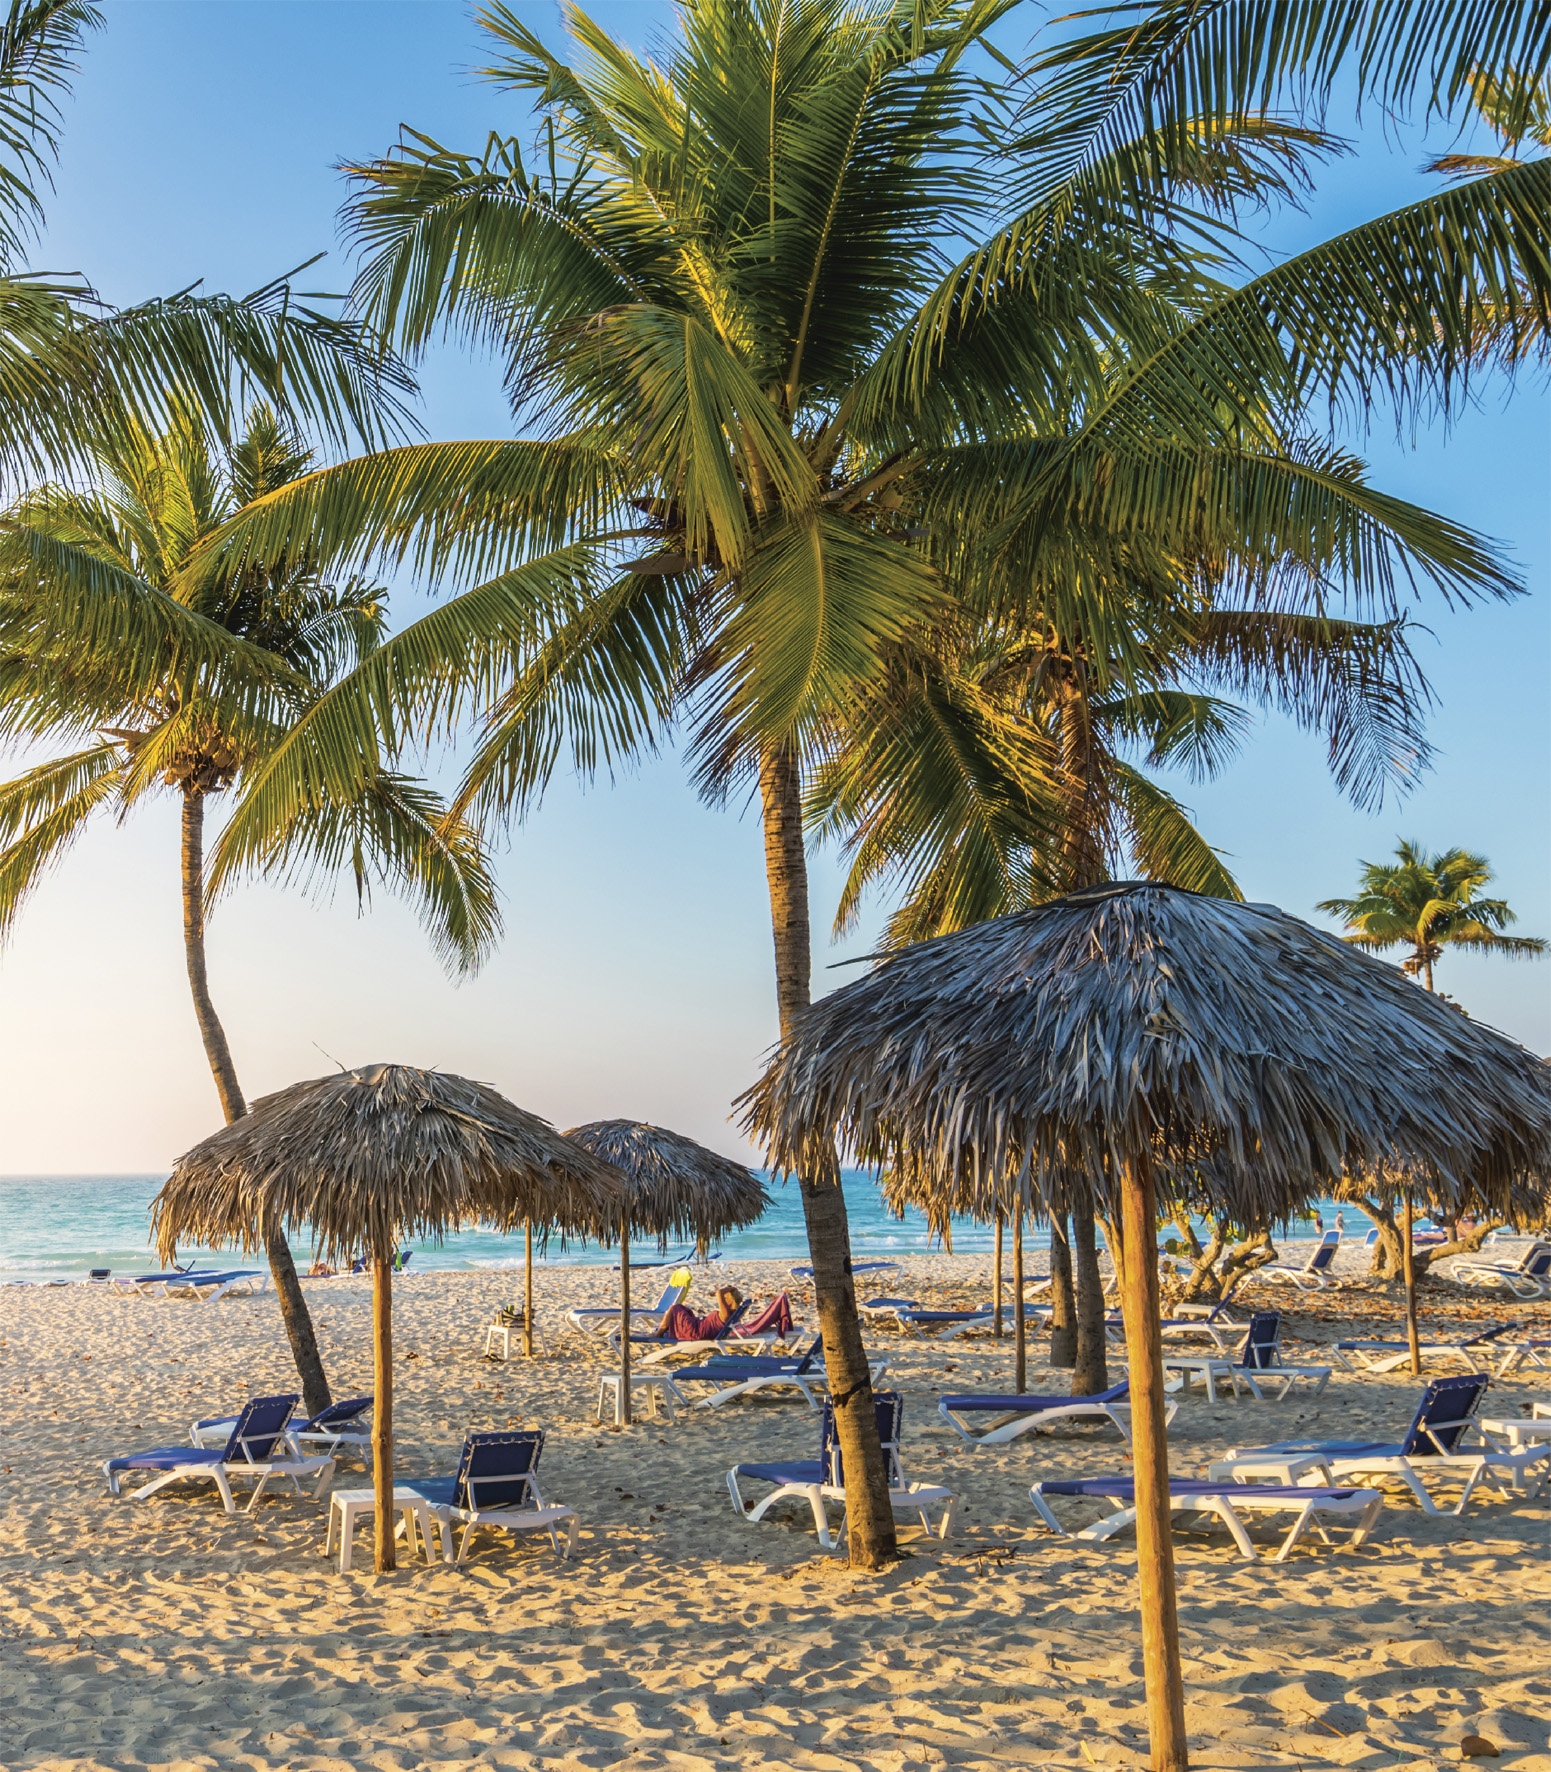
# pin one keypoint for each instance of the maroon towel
(776, 1315)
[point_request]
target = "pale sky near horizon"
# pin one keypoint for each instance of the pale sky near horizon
(635, 976)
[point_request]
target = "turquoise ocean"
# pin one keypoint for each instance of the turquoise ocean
(57, 1227)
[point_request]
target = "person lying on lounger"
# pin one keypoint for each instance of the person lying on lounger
(681, 1323)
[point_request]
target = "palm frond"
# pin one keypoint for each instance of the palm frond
(43, 812)
(1164, 840)
(456, 657)
(393, 830)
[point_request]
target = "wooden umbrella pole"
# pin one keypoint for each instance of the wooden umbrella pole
(1408, 1265)
(382, 1411)
(624, 1321)
(1019, 1342)
(996, 1288)
(1150, 1467)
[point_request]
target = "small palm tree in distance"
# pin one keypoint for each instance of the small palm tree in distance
(1430, 903)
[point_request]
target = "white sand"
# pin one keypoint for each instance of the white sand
(169, 1635)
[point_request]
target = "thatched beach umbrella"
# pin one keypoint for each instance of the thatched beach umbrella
(676, 1188)
(1162, 1046)
(367, 1157)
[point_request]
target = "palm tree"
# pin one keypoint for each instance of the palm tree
(1430, 903)
(153, 498)
(779, 425)
(988, 772)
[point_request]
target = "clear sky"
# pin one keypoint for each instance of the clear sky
(635, 976)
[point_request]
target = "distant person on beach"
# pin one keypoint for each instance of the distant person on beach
(1340, 1221)
(320, 1270)
(1319, 1224)
(681, 1323)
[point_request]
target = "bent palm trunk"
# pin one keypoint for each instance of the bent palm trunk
(1091, 1373)
(869, 1515)
(288, 1288)
(1063, 1300)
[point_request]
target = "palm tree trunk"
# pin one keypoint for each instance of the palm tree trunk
(1063, 1300)
(869, 1514)
(1083, 865)
(996, 1285)
(288, 1287)
(1091, 1373)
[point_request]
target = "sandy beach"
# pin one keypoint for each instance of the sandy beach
(169, 1635)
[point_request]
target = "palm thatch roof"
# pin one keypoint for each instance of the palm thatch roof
(677, 1188)
(1254, 1059)
(368, 1156)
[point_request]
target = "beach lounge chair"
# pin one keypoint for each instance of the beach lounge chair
(857, 1267)
(1259, 1364)
(887, 1307)
(150, 1285)
(1433, 1446)
(212, 1287)
(1015, 1416)
(496, 1484)
(1228, 1501)
(1315, 1273)
(1387, 1356)
(1216, 1325)
(733, 1377)
(944, 1325)
(341, 1428)
(1529, 1277)
(1211, 1322)
(821, 1480)
(255, 1448)
(1523, 1353)
(600, 1319)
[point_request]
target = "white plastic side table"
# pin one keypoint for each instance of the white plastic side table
(347, 1506)
(655, 1384)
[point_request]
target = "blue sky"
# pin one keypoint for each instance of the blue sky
(635, 977)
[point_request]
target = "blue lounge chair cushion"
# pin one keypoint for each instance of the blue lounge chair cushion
(439, 1491)
(495, 1471)
(800, 1470)
(347, 1409)
(1124, 1488)
(1032, 1405)
(857, 1267)
(948, 1316)
(165, 1458)
(735, 1366)
(1463, 1341)
(1344, 1448)
(336, 1415)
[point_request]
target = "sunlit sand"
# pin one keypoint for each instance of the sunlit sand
(169, 1635)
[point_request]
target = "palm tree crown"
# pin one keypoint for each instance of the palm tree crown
(154, 723)
(1429, 903)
